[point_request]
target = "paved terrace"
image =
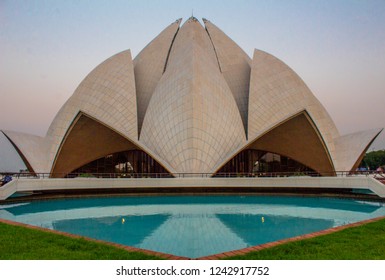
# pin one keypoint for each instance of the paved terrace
(39, 184)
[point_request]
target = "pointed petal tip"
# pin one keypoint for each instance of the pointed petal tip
(192, 19)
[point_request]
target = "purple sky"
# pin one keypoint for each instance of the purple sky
(48, 47)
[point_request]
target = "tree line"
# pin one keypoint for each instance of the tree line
(373, 160)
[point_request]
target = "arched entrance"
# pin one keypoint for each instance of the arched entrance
(253, 162)
(132, 163)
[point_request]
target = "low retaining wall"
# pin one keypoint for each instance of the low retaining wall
(32, 184)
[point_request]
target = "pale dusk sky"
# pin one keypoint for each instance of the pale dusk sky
(48, 47)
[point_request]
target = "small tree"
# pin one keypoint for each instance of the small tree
(373, 160)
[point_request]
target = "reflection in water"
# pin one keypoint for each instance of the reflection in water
(258, 229)
(192, 226)
(193, 235)
(130, 232)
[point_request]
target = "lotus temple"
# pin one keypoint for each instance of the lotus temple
(191, 102)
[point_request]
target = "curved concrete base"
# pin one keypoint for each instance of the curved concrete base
(32, 184)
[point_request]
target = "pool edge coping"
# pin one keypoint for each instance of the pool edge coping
(218, 256)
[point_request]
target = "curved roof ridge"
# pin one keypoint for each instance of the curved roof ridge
(193, 30)
(149, 66)
(234, 64)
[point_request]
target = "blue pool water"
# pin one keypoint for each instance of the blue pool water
(192, 226)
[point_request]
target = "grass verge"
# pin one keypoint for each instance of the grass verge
(20, 243)
(366, 242)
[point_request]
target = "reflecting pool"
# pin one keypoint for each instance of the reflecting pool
(192, 226)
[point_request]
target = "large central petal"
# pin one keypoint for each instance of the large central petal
(192, 120)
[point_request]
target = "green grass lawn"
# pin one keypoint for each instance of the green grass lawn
(365, 242)
(19, 243)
